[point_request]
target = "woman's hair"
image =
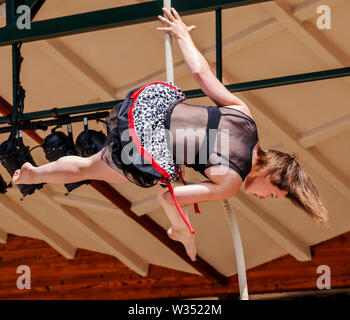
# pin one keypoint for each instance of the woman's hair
(288, 175)
(113, 144)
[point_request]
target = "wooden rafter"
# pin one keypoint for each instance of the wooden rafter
(3, 236)
(94, 231)
(51, 237)
(309, 35)
(145, 205)
(325, 131)
(277, 232)
(86, 202)
(78, 68)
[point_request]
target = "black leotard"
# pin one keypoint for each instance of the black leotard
(232, 137)
(199, 137)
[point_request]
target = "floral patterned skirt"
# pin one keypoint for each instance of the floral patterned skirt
(138, 140)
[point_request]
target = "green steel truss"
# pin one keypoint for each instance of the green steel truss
(109, 18)
(127, 15)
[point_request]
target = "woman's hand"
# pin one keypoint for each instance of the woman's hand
(175, 25)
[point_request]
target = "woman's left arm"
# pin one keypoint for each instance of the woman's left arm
(196, 62)
(199, 192)
(220, 186)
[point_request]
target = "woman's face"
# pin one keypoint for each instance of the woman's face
(261, 187)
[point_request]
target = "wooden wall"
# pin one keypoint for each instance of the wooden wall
(97, 276)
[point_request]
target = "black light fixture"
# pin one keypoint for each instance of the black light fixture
(57, 145)
(13, 154)
(89, 142)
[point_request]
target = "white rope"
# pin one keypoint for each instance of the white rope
(169, 65)
(242, 279)
(237, 243)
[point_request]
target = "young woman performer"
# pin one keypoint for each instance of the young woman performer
(153, 132)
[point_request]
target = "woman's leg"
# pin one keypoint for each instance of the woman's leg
(67, 170)
(178, 231)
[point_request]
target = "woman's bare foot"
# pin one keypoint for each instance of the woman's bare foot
(186, 238)
(23, 175)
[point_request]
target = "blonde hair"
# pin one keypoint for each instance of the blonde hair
(288, 175)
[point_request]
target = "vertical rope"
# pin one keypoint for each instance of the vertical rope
(242, 279)
(237, 243)
(168, 50)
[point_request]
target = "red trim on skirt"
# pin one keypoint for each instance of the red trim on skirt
(147, 156)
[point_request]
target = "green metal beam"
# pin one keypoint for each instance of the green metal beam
(43, 125)
(110, 18)
(244, 86)
(11, 22)
(279, 81)
(218, 22)
(32, 3)
(34, 6)
(10, 9)
(55, 112)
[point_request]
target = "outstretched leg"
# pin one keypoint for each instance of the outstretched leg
(67, 170)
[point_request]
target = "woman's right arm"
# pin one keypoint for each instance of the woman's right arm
(196, 62)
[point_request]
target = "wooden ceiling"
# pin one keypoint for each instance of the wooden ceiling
(93, 275)
(260, 41)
